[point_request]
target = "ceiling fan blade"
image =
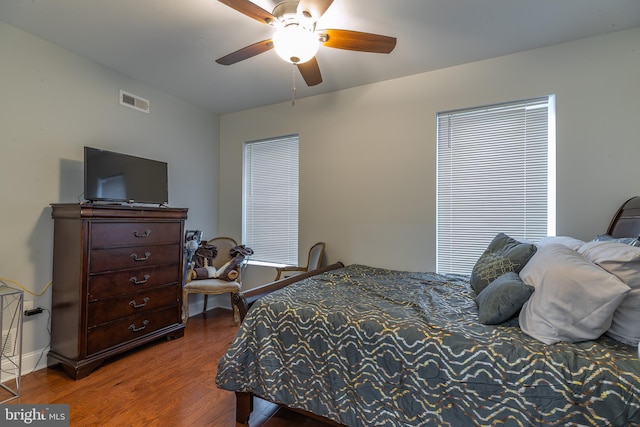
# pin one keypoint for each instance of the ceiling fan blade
(313, 8)
(310, 72)
(355, 40)
(250, 9)
(246, 52)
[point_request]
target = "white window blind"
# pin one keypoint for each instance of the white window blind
(270, 199)
(495, 174)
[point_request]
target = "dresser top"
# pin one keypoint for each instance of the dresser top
(102, 210)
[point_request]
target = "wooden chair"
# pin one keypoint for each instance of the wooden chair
(213, 286)
(315, 258)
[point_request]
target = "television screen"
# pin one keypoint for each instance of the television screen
(116, 177)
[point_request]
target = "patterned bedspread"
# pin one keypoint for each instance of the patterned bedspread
(371, 347)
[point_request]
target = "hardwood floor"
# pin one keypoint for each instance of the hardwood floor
(166, 383)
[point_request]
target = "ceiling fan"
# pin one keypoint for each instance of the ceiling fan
(296, 39)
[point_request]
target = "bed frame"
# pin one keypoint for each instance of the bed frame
(243, 300)
(625, 223)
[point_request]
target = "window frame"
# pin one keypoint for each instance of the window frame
(270, 199)
(469, 243)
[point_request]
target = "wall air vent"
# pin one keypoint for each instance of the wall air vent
(134, 101)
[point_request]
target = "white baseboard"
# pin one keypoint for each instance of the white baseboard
(36, 360)
(215, 301)
(32, 361)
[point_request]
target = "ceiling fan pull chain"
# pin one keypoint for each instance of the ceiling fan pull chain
(293, 82)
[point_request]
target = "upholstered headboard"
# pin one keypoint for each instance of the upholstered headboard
(626, 222)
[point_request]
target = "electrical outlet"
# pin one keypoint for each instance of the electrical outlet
(27, 305)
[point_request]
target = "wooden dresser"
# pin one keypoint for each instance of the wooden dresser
(117, 281)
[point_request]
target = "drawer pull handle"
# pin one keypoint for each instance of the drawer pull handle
(145, 234)
(146, 256)
(134, 305)
(134, 329)
(135, 280)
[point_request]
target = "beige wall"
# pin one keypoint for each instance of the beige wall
(52, 104)
(368, 156)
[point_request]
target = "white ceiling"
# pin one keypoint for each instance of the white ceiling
(173, 44)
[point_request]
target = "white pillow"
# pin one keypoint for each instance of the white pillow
(574, 299)
(570, 242)
(624, 261)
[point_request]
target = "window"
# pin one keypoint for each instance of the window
(496, 173)
(270, 200)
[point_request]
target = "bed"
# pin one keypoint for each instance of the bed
(363, 346)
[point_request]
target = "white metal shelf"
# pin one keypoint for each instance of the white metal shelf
(11, 312)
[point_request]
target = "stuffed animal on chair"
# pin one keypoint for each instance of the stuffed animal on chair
(239, 253)
(228, 271)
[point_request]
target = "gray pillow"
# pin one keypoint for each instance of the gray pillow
(503, 255)
(623, 261)
(502, 299)
(633, 241)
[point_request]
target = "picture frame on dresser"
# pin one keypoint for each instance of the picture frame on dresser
(117, 281)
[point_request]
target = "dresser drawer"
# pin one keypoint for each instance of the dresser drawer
(130, 281)
(133, 257)
(134, 233)
(129, 329)
(109, 309)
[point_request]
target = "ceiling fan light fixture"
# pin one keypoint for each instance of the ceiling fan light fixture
(295, 43)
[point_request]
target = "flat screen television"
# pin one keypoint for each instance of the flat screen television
(117, 177)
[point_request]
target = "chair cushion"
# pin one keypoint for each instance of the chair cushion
(212, 286)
